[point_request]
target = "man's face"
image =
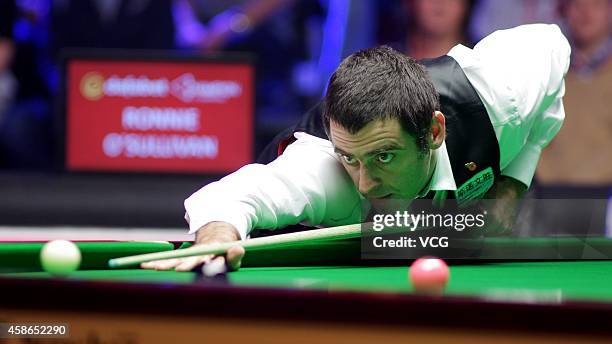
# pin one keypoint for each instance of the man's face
(439, 17)
(383, 160)
(588, 20)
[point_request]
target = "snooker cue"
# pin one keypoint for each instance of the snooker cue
(339, 232)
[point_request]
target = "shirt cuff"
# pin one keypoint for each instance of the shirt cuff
(221, 214)
(523, 166)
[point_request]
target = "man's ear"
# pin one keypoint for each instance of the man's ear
(437, 130)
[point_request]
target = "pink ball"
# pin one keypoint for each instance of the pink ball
(429, 275)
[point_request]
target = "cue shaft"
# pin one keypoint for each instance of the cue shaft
(340, 232)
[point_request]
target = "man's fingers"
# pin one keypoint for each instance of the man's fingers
(179, 264)
(234, 257)
(164, 264)
(189, 263)
(146, 265)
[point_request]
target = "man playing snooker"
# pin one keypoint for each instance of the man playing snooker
(467, 125)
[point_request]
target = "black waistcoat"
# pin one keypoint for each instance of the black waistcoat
(470, 139)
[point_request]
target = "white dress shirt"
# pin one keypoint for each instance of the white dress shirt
(518, 75)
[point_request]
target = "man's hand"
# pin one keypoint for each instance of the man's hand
(502, 205)
(214, 232)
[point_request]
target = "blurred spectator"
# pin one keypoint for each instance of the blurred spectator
(580, 153)
(349, 26)
(8, 84)
(25, 134)
(430, 28)
(128, 24)
(284, 36)
(492, 15)
(214, 25)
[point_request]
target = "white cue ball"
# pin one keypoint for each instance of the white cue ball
(215, 267)
(60, 257)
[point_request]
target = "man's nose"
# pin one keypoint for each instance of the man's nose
(366, 184)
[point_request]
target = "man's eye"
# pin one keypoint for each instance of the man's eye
(349, 159)
(385, 158)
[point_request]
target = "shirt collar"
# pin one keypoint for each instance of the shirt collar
(442, 178)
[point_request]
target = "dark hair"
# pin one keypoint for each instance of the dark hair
(381, 83)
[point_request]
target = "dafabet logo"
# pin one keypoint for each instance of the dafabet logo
(185, 87)
(92, 86)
